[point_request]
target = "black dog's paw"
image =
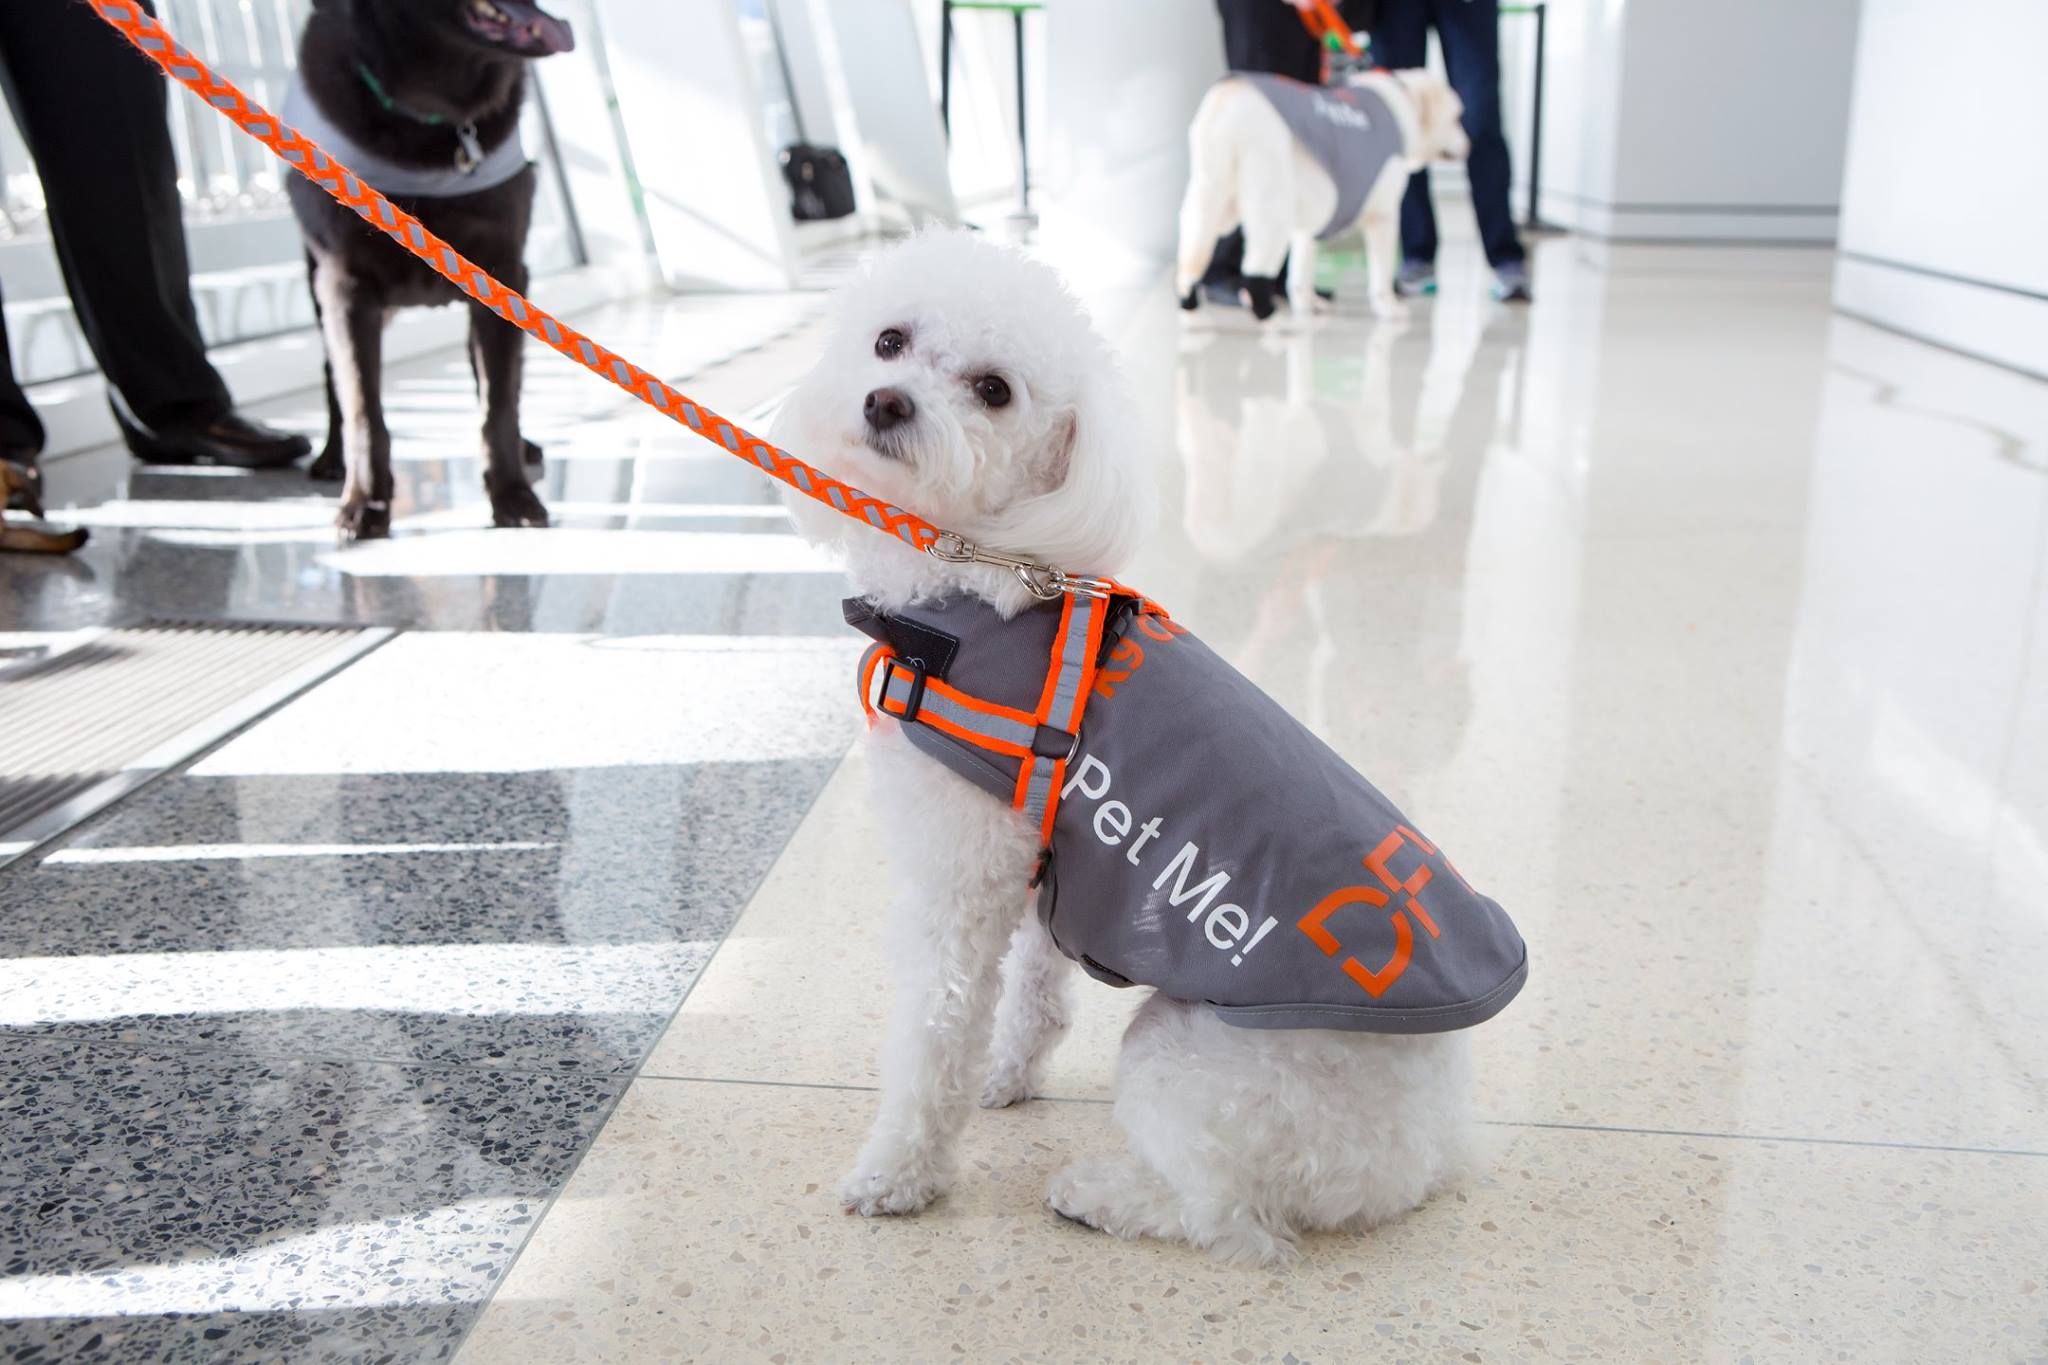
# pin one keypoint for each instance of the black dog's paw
(532, 451)
(1260, 291)
(516, 505)
(364, 521)
(328, 467)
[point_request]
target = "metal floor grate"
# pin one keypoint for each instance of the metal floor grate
(82, 726)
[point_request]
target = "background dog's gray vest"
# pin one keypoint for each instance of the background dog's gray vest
(498, 165)
(1349, 130)
(1208, 844)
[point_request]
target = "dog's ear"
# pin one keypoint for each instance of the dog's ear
(1066, 435)
(1098, 497)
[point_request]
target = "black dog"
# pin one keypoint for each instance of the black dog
(420, 98)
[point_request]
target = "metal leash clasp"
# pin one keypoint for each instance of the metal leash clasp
(1043, 581)
(469, 153)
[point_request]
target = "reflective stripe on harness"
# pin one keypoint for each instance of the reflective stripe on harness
(908, 694)
(1043, 741)
(1068, 683)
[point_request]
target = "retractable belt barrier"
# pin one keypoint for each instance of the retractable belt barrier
(155, 42)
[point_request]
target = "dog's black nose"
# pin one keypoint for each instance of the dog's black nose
(886, 408)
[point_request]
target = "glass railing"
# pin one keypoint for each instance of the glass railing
(248, 265)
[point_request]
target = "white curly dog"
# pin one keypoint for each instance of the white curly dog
(965, 383)
(1249, 170)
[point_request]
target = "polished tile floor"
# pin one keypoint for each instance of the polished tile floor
(514, 989)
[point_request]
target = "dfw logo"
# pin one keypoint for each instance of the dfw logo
(1228, 928)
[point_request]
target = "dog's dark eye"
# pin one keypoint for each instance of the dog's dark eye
(890, 344)
(992, 391)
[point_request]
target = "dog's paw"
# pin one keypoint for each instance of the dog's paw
(327, 467)
(1116, 1194)
(1006, 1085)
(873, 1193)
(515, 504)
(1073, 1195)
(362, 519)
(1390, 309)
(1247, 1243)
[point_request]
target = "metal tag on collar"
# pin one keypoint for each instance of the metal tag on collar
(470, 154)
(1045, 583)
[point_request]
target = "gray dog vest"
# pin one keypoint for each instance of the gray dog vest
(492, 169)
(1350, 131)
(1198, 839)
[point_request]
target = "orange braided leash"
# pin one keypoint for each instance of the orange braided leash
(1327, 26)
(153, 41)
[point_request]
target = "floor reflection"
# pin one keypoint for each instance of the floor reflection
(1327, 481)
(217, 544)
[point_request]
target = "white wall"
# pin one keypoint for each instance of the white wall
(1945, 202)
(1668, 120)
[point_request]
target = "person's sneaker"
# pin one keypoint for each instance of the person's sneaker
(1415, 278)
(1511, 283)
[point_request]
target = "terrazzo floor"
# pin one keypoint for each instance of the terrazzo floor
(300, 1041)
(511, 996)
(1710, 628)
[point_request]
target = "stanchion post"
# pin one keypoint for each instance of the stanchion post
(1535, 215)
(1023, 138)
(946, 68)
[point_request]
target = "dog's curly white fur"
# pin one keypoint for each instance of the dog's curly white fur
(1239, 1141)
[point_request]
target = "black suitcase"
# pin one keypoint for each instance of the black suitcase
(820, 185)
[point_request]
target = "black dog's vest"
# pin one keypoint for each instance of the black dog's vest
(492, 169)
(1198, 838)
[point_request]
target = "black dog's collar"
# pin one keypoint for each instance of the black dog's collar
(469, 153)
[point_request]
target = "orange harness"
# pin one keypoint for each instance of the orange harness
(1044, 739)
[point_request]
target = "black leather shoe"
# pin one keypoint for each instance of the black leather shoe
(229, 439)
(28, 499)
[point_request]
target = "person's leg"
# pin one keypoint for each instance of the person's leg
(1400, 40)
(1267, 35)
(1226, 260)
(111, 188)
(21, 435)
(21, 432)
(1470, 33)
